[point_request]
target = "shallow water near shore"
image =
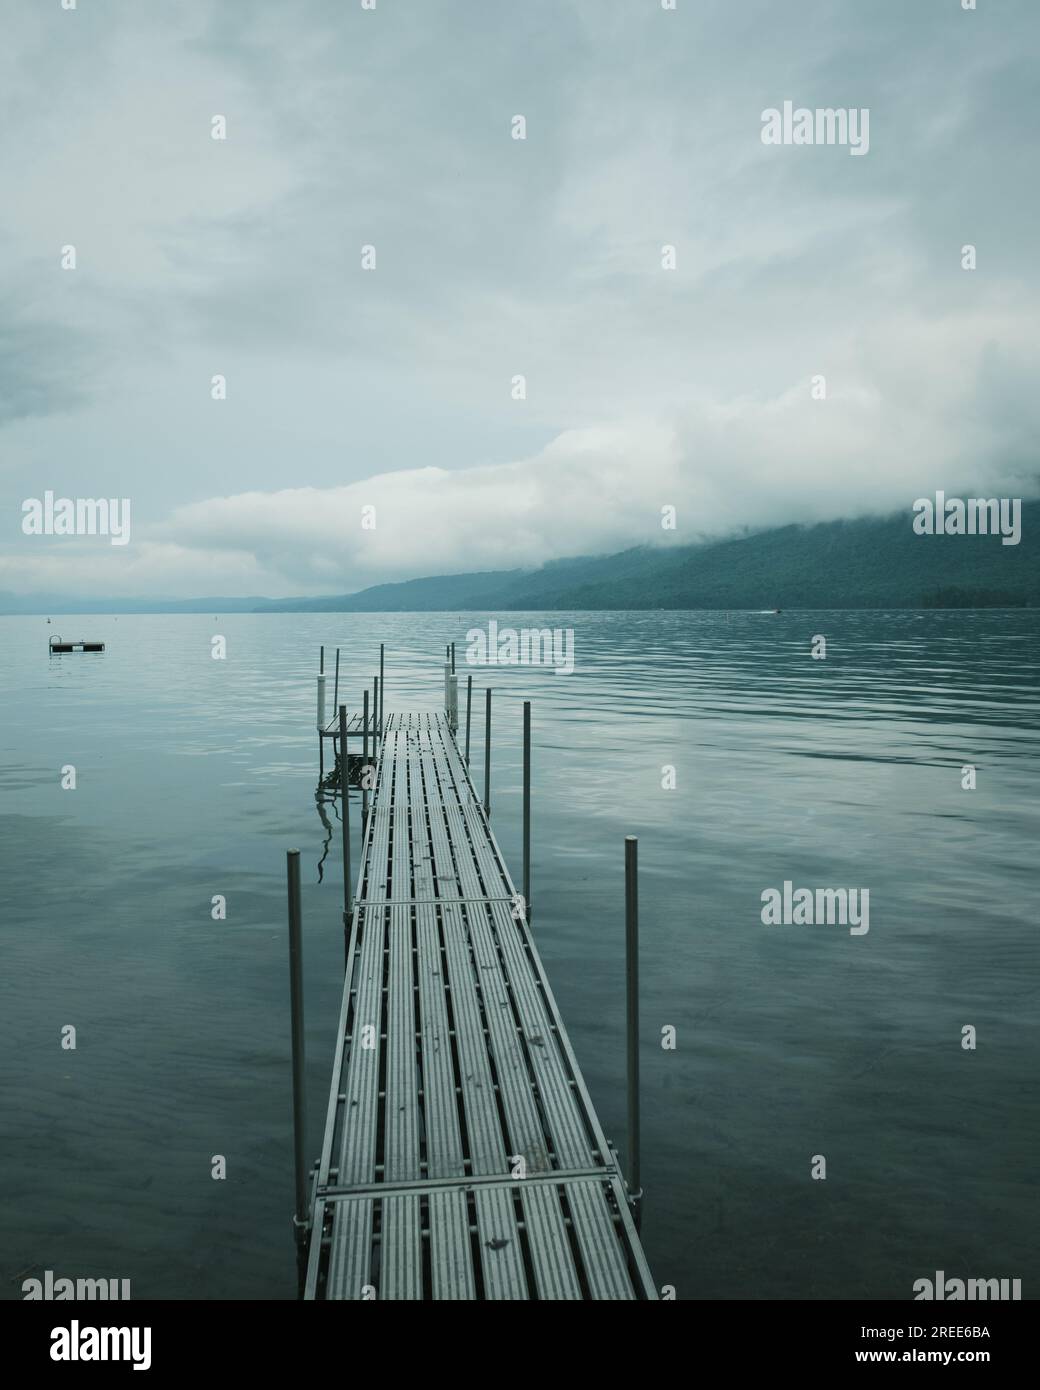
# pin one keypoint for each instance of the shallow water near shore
(195, 775)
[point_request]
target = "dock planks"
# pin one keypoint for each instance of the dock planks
(462, 1157)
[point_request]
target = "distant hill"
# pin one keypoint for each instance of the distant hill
(867, 563)
(409, 596)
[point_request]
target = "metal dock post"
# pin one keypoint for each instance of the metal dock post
(344, 786)
(527, 810)
(469, 712)
(321, 719)
(364, 764)
(301, 1216)
(487, 752)
(632, 1016)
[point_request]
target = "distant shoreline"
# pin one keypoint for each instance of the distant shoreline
(229, 610)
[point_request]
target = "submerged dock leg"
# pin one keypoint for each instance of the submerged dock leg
(527, 810)
(301, 1214)
(632, 1016)
(345, 817)
(487, 752)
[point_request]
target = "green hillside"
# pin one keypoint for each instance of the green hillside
(868, 563)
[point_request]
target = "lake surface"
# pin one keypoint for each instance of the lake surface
(194, 776)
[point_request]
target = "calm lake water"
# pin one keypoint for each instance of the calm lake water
(195, 775)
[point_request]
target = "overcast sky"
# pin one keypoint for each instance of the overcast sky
(496, 257)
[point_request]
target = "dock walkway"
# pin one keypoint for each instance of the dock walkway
(462, 1157)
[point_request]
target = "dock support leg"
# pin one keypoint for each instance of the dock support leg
(469, 712)
(321, 711)
(364, 767)
(345, 817)
(321, 719)
(382, 689)
(487, 752)
(301, 1216)
(527, 811)
(632, 1014)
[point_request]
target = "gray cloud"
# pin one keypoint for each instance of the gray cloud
(499, 257)
(44, 365)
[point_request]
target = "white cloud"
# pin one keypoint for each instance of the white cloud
(906, 412)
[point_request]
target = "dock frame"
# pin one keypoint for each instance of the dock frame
(462, 1157)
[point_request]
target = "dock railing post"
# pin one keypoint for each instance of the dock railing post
(469, 712)
(364, 766)
(321, 724)
(377, 694)
(335, 693)
(527, 811)
(487, 752)
(344, 780)
(447, 689)
(632, 1017)
(453, 658)
(301, 1215)
(382, 691)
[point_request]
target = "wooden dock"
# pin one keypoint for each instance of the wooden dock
(462, 1157)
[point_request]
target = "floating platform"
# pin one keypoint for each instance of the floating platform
(462, 1156)
(57, 645)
